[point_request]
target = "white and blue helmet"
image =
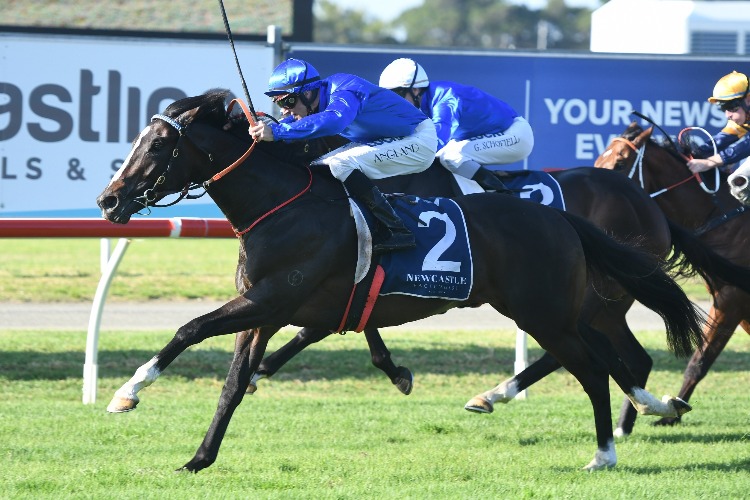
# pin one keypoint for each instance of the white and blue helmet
(404, 73)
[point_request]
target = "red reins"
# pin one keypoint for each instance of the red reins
(238, 162)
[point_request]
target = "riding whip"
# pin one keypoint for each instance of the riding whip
(652, 122)
(236, 60)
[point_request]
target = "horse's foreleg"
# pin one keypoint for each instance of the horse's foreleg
(509, 389)
(273, 362)
(231, 397)
(229, 318)
(401, 376)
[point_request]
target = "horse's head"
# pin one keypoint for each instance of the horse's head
(623, 151)
(165, 158)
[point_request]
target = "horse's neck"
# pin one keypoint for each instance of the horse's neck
(258, 187)
(685, 201)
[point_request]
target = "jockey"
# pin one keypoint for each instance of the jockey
(473, 127)
(732, 142)
(388, 136)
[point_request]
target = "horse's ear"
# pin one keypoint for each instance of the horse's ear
(188, 116)
(643, 137)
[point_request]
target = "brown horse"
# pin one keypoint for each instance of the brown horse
(717, 218)
(531, 263)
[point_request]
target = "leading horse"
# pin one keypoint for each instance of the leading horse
(715, 216)
(614, 204)
(531, 263)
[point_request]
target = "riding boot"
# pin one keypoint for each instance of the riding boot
(489, 181)
(398, 238)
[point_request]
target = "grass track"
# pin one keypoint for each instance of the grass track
(331, 426)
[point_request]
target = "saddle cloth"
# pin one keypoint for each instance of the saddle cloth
(534, 185)
(440, 266)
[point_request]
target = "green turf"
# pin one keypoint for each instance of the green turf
(331, 426)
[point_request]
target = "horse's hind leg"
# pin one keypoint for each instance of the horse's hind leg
(718, 331)
(642, 400)
(401, 376)
(574, 355)
(591, 372)
(273, 362)
(510, 388)
(246, 359)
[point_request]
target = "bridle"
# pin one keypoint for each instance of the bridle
(638, 167)
(150, 194)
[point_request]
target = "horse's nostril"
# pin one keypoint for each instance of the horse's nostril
(739, 181)
(108, 202)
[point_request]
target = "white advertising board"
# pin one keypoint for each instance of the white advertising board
(71, 105)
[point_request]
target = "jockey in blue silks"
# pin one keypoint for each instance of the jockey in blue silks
(473, 127)
(388, 135)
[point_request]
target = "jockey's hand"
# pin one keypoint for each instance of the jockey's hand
(697, 165)
(261, 132)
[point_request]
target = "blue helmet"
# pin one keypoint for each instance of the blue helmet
(293, 76)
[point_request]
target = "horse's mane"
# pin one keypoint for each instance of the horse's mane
(211, 106)
(635, 130)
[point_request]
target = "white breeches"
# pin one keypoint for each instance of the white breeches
(500, 148)
(385, 157)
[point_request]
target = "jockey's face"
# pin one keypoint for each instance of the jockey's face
(414, 96)
(737, 111)
(299, 110)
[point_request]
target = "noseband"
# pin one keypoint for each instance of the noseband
(149, 195)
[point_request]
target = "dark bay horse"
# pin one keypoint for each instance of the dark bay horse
(614, 204)
(531, 263)
(711, 211)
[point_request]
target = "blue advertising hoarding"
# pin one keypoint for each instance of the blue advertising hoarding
(575, 103)
(66, 122)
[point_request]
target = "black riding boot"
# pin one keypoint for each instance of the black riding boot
(489, 181)
(399, 238)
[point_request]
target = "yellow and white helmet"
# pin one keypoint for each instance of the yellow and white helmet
(730, 87)
(404, 73)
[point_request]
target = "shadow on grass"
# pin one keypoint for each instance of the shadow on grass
(312, 364)
(692, 466)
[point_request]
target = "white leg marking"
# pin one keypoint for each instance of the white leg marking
(144, 376)
(647, 404)
(503, 393)
(620, 433)
(603, 458)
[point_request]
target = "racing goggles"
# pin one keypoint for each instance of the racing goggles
(730, 106)
(287, 101)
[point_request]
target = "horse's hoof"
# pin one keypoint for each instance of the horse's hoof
(680, 406)
(620, 433)
(404, 380)
(478, 404)
(667, 422)
(251, 388)
(595, 465)
(121, 405)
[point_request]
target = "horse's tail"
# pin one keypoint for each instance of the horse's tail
(691, 256)
(640, 273)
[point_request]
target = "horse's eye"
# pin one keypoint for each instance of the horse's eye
(158, 144)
